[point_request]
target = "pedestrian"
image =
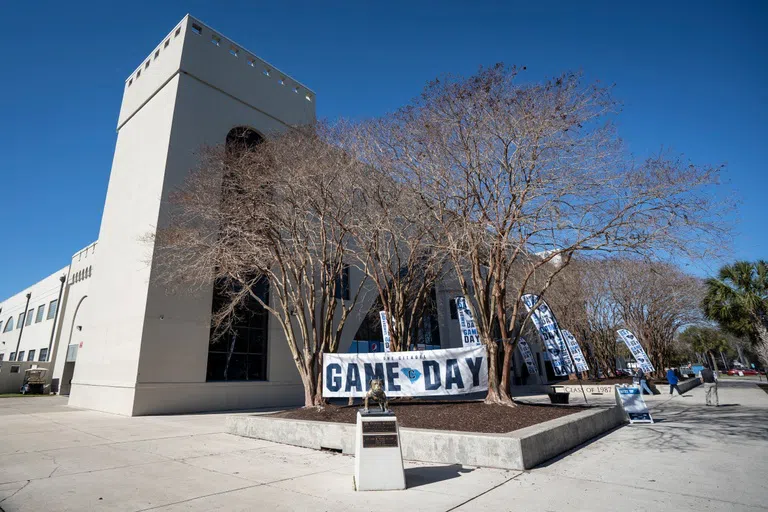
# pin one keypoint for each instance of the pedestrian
(709, 379)
(642, 382)
(673, 380)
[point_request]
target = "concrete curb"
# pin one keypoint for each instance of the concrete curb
(521, 449)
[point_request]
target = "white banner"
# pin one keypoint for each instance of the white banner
(454, 371)
(469, 336)
(525, 350)
(578, 356)
(634, 346)
(385, 331)
(545, 322)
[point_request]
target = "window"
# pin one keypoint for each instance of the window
(40, 313)
(178, 31)
(8, 325)
(2, 356)
(12, 356)
(251, 62)
(1, 326)
(29, 316)
(52, 308)
(21, 321)
(234, 51)
(31, 355)
(197, 29)
(216, 40)
(138, 74)
(146, 65)
(15, 368)
(341, 287)
(43, 354)
(454, 311)
(266, 72)
(21, 356)
(240, 353)
(167, 42)
(157, 53)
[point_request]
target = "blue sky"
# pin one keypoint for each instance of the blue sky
(692, 77)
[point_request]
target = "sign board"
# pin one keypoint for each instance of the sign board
(578, 356)
(469, 335)
(525, 351)
(633, 344)
(545, 322)
(454, 371)
(385, 331)
(631, 400)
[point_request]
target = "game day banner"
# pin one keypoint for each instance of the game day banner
(385, 331)
(469, 335)
(634, 346)
(545, 322)
(525, 350)
(453, 371)
(578, 356)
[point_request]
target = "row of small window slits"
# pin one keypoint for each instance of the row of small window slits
(28, 315)
(30, 356)
(233, 50)
(84, 273)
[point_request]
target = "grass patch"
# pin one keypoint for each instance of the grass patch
(17, 395)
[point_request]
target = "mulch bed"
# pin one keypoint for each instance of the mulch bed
(764, 387)
(613, 380)
(464, 416)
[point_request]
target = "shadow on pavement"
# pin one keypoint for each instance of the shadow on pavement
(416, 477)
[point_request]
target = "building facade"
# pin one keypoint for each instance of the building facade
(123, 343)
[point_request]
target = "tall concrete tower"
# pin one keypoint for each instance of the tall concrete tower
(145, 351)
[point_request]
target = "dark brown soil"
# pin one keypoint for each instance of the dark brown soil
(611, 380)
(462, 416)
(764, 387)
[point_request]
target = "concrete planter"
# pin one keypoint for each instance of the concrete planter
(521, 449)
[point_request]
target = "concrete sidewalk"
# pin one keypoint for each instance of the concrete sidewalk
(53, 457)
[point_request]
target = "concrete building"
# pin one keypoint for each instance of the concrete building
(124, 343)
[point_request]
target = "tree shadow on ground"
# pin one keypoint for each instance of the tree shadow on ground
(423, 475)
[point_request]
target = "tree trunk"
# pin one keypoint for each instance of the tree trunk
(496, 393)
(505, 372)
(762, 344)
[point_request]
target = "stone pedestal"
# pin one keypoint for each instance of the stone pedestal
(378, 457)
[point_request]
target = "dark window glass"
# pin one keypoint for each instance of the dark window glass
(52, 308)
(40, 313)
(21, 321)
(15, 368)
(31, 355)
(342, 284)
(12, 357)
(240, 353)
(43, 354)
(8, 325)
(29, 316)
(454, 311)
(21, 356)
(2, 356)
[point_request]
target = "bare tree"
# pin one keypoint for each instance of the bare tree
(655, 300)
(520, 177)
(279, 211)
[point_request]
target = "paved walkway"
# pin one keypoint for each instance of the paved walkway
(53, 457)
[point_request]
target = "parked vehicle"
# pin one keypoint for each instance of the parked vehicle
(741, 371)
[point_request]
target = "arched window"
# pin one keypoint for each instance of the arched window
(242, 138)
(8, 325)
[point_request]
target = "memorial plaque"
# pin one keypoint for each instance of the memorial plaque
(380, 441)
(379, 427)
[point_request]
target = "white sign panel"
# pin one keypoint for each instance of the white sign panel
(525, 350)
(469, 335)
(545, 322)
(385, 331)
(633, 344)
(578, 356)
(631, 400)
(454, 371)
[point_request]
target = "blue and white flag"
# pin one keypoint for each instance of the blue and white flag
(634, 346)
(453, 371)
(525, 350)
(545, 322)
(578, 356)
(469, 335)
(386, 338)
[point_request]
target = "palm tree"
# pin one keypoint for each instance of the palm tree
(738, 300)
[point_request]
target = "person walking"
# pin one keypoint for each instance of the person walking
(709, 379)
(673, 380)
(642, 382)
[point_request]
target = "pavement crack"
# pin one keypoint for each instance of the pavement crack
(484, 492)
(16, 491)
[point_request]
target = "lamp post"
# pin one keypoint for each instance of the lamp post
(23, 321)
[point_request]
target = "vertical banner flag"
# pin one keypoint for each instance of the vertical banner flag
(631, 400)
(545, 322)
(386, 338)
(634, 346)
(525, 350)
(452, 371)
(469, 336)
(578, 356)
